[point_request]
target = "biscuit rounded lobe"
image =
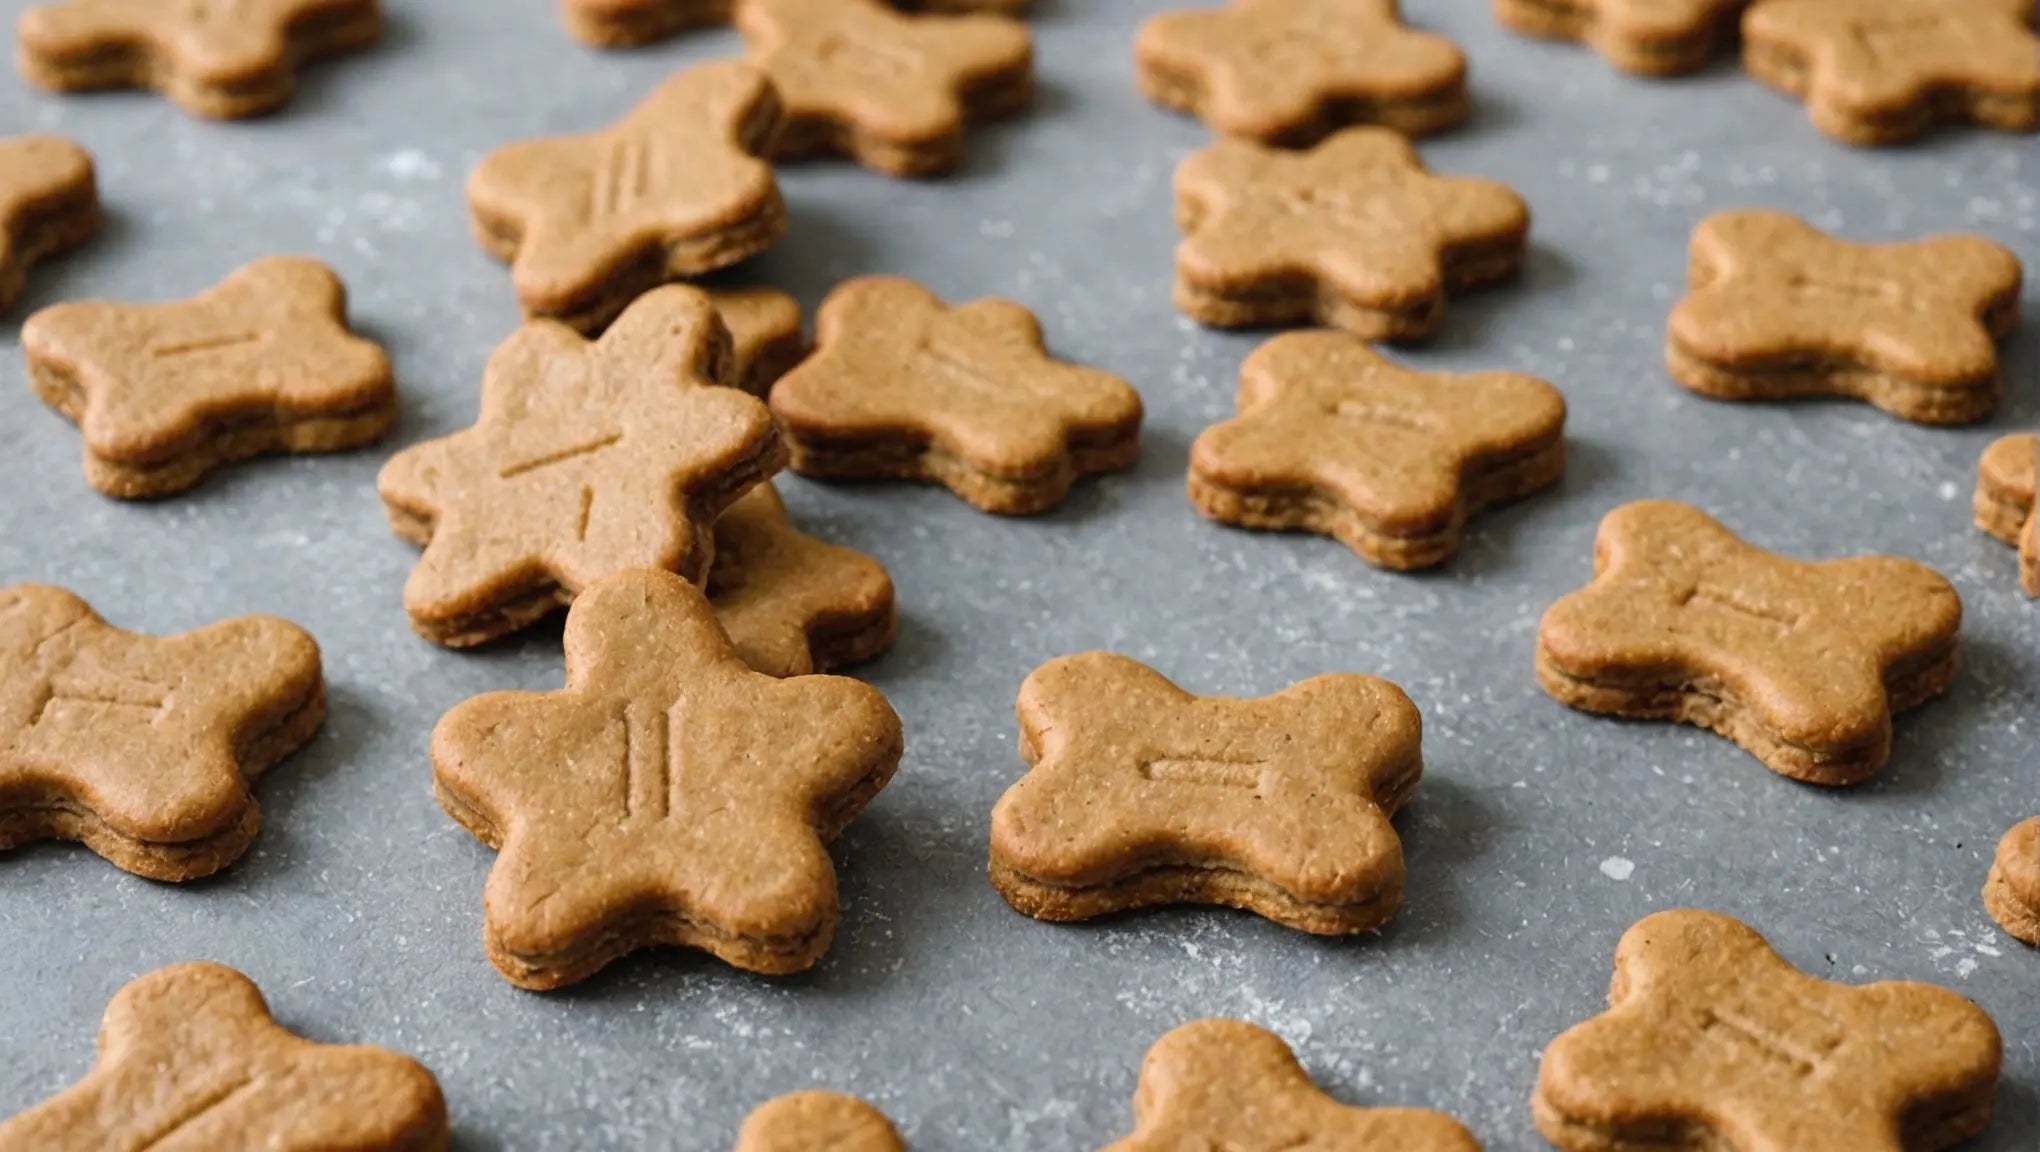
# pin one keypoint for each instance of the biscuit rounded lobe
(2005, 503)
(49, 202)
(794, 605)
(816, 1121)
(2011, 893)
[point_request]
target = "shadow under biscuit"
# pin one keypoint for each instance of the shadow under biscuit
(1928, 743)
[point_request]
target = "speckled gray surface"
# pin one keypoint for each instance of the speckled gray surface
(1538, 835)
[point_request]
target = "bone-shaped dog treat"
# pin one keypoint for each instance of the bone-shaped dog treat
(1292, 71)
(667, 795)
(818, 1122)
(794, 605)
(1140, 794)
(1649, 37)
(625, 23)
(1779, 310)
(2012, 891)
(903, 386)
(675, 188)
(2005, 504)
(1711, 1040)
(588, 458)
(261, 362)
(49, 202)
(1334, 439)
(190, 1060)
(1228, 1084)
(143, 747)
(1802, 664)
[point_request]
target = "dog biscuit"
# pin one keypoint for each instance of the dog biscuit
(1647, 37)
(628, 23)
(49, 203)
(2012, 892)
(765, 334)
(2005, 505)
(794, 605)
(818, 1122)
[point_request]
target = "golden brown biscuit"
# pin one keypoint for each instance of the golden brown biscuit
(818, 1122)
(1354, 233)
(765, 334)
(190, 1058)
(675, 188)
(1713, 1041)
(1779, 310)
(904, 386)
(588, 458)
(2005, 505)
(890, 91)
(49, 202)
(1228, 1084)
(1293, 71)
(1802, 664)
(1648, 37)
(794, 605)
(1140, 794)
(1332, 438)
(144, 748)
(220, 58)
(627, 23)
(667, 795)
(2012, 892)
(1884, 71)
(261, 362)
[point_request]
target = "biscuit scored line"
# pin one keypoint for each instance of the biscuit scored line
(168, 349)
(961, 371)
(560, 456)
(1878, 33)
(1743, 1031)
(200, 1108)
(1707, 594)
(855, 52)
(647, 758)
(1386, 414)
(1212, 772)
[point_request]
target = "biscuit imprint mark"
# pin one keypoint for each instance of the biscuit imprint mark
(647, 752)
(175, 348)
(201, 1107)
(856, 52)
(623, 178)
(561, 456)
(1386, 415)
(587, 507)
(1732, 602)
(1244, 774)
(966, 375)
(1802, 1056)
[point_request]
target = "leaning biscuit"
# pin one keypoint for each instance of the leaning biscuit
(669, 794)
(818, 1122)
(676, 188)
(1354, 233)
(765, 334)
(904, 386)
(1139, 794)
(223, 60)
(1293, 71)
(49, 202)
(794, 605)
(262, 362)
(1228, 1084)
(1711, 1040)
(2005, 505)
(1647, 37)
(589, 457)
(1802, 664)
(1779, 310)
(1332, 438)
(190, 1058)
(2011, 894)
(1884, 71)
(144, 748)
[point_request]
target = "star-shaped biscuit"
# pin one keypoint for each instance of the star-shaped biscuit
(1228, 1084)
(1332, 438)
(1353, 233)
(1292, 71)
(818, 1122)
(676, 188)
(667, 795)
(904, 386)
(1648, 37)
(794, 605)
(1802, 664)
(2005, 504)
(2012, 891)
(143, 748)
(626, 23)
(1140, 794)
(219, 58)
(261, 362)
(1884, 71)
(49, 202)
(765, 334)
(891, 91)
(587, 458)
(189, 1058)
(1712, 1040)
(1779, 309)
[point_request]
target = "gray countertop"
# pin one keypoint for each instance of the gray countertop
(1538, 835)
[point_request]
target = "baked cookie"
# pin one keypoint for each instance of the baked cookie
(1293, 71)
(1332, 438)
(765, 334)
(818, 1122)
(1354, 233)
(189, 1058)
(903, 386)
(1711, 1040)
(1228, 1084)
(1802, 664)
(588, 458)
(628, 23)
(2005, 505)
(892, 92)
(220, 58)
(260, 363)
(144, 748)
(667, 795)
(49, 202)
(1884, 71)
(1647, 37)
(676, 188)
(1779, 310)
(794, 605)
(1139, 794)
(2012, 892)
